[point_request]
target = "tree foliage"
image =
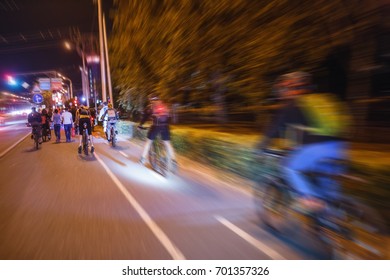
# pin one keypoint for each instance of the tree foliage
(167, 45)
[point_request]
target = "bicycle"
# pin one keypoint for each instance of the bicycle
(349, 228)
(35, 135)
(158, 156)
(85, 140)
(113, 133)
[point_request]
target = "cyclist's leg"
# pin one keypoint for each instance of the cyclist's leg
(146, 148)
(300, 161)
(168, 146)
(330, 187)
(108, 131)
(152, 133)
(81, 130)
(89, 131)
(166, 137)
(105, 127)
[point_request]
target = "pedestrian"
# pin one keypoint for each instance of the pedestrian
(67, 121)
(56, 119)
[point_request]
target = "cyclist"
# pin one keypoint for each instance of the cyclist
(320, 135)
(159, 113)
(101, 113)
(35, 119)
(46, 123)
(83, 116)
(110, 117)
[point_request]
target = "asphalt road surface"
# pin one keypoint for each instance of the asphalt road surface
(57, 204)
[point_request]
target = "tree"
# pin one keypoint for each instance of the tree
(165, 45)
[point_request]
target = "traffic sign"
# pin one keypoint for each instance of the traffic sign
(37, 98)
(36, 89)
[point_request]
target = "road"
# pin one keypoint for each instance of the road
(56, 204)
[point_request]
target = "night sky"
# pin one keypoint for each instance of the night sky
(32, 33)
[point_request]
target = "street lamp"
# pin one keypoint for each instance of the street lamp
(84, 75)
(70, 81)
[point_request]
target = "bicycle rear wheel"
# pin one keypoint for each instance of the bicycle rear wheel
(36, 141)
(158, 157)
(113, 137)
(85, 142)
(364, 232)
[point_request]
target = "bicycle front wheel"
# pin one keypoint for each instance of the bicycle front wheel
(272, 206)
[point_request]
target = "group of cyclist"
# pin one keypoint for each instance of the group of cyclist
(318, 131)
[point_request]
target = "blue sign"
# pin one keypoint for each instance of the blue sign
(37, 98)
(44, 84)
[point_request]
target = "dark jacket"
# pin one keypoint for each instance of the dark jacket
(34, 118)
(157, 119)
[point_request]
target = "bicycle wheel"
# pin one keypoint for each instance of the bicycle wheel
(272, 206)
(363, 232)
(157, 157)
(85, 142)
(113, 137)
(36, 141)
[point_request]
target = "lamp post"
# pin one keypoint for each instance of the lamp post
(70, 82)
(84, 73)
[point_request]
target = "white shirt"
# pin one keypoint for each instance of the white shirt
(67, 118)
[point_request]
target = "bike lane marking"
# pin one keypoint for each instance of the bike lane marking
(251, 240)
(157, 231)
(123, 154)
(14, 145)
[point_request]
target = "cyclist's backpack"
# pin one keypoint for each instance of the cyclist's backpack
(84, 112)
(326, 114)
(111, 114)
(160, 113)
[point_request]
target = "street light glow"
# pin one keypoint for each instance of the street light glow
(67, 45)
(11, 81)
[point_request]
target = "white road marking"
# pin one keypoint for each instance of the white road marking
(123, 154)
(253, 241)
(158, 232)
(13, 146)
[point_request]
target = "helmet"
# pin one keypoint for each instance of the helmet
(292, 83)
(298, 77)
(153, 97)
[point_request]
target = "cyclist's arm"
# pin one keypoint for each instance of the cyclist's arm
(274, 128)
(145, 116)
(103, 116)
